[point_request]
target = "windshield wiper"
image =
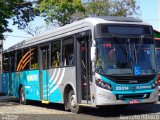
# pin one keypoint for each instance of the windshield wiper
(140, 43)
(141, 38)
(130, 54)
(125, 50)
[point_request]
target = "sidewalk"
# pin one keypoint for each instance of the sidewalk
(5, 98)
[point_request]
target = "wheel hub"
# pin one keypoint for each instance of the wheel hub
(73, 101)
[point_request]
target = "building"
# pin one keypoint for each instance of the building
(156, 34)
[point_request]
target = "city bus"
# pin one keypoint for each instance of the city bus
(93, 62)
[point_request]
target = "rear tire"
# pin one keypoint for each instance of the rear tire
(73, 105)
(22, 96)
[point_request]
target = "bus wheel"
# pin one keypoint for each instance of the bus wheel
(73, 105)
(22, 96)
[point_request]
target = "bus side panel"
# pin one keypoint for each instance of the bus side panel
(16, 80)
(58, 79)
(31, 84)
(55, 93)
(45, 78)
(5, 83)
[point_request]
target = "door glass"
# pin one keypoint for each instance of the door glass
(45, 58)
(44, 66)
(55, 54)
(85, 70)
(67, 52)
(34, 58)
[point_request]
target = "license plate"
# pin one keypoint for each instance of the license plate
(134, 102)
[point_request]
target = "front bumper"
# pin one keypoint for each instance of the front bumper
(105, 97)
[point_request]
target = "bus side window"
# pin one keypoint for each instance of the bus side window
(67, 52)
(12, 62)
(18, 60)
(55, 54)
(26, 59)
(34, 58)
(5, 62)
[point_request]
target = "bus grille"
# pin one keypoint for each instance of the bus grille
(131, 79)
(132, 96)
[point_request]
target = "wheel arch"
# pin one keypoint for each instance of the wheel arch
(68, 87)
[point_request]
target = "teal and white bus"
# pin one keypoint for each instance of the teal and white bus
(92, 62)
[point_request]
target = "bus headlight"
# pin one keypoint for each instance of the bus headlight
(155, 84)
(102, 84)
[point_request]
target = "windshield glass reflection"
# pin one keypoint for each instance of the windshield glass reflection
(122, 55)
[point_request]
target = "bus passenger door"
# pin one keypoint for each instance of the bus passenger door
(43, 71)
(83, 70)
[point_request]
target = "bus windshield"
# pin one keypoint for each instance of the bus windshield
(157, 45)
(120, 56)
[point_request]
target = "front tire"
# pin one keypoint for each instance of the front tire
(73, 105)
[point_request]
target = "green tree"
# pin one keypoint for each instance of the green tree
(67, 11)
(111, 8)
(21, 11)
(97, 8)
(125, 8)
(60, 10)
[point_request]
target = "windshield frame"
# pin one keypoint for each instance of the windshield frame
(133, 64)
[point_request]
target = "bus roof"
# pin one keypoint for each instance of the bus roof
(75, 27)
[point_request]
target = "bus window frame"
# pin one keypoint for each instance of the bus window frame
(74, 55)
(61, 51)
(5, 71)
(50, 53)
(23, 53)
(44, 45)
(17, 62)
(37, 47)
(10, 60)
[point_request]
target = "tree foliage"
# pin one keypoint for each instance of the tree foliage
(111, 8)
(5, 13)
(24, 12)
(21, 11)
(60, 10)
(66, 11)
(97, 8)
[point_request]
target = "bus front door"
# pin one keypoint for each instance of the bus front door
(44, 69)
(83, 71)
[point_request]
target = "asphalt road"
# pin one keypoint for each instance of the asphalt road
(10, 109)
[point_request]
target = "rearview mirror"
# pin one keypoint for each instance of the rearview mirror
(93, 54)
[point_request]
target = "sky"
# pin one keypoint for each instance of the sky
(148, 11)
